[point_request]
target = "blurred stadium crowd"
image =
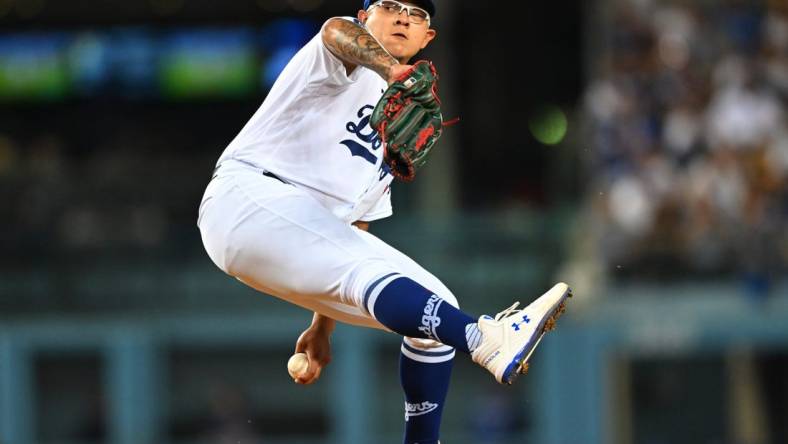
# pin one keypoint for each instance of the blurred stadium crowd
(689, 139)
(68, 196)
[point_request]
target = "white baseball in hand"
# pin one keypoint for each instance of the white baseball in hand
(297, 365)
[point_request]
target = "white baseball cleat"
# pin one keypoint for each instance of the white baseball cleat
(509, 340)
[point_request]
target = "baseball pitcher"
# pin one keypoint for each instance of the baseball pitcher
(292, 196)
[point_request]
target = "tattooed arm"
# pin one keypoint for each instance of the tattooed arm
(354, 45)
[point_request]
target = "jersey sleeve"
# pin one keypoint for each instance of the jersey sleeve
(328, 69)
(382, 208)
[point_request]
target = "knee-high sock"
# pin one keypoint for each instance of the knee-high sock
(424, 376)
(411, 310)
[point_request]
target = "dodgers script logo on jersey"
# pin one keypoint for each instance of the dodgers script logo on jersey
(365, 133)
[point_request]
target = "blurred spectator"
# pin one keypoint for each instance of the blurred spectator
(688, 121)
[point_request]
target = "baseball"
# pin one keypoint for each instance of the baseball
(297, 365)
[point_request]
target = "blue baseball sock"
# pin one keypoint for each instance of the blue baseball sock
(411, 310)
(425, 385)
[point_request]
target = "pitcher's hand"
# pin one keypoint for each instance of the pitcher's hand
(315, 341)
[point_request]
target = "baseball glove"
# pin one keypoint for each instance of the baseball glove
(408, 119)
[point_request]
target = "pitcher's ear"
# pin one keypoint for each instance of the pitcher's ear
(363, 16)
(429, 37)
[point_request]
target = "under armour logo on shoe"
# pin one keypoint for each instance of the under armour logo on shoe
(517, 325)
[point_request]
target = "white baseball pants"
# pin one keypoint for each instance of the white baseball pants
(278, 239)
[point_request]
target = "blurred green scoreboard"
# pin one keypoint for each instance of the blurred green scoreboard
(147, 63)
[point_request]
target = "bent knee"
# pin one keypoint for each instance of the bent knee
(426, 350)
(450, 298)
(369, 277)
(366, 277)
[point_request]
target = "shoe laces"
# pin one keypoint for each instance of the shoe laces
(509, 311)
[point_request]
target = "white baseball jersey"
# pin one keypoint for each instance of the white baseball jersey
(293, 240)
(313, 131)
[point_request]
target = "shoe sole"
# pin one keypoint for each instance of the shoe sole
(519, 365)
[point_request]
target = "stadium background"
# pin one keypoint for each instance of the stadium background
(635, 148)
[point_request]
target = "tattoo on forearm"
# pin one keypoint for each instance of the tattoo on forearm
(355, 45)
